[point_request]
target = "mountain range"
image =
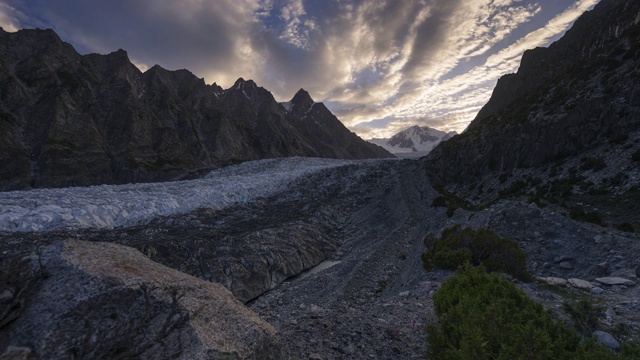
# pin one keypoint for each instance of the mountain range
(413, 142)
(68, 119)
(318, 259)
(578, 98)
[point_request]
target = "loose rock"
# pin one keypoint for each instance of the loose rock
(615, 281)
(606, 339)
(579, 283)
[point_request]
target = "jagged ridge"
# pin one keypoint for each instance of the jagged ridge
(71, 120)
(581, 92)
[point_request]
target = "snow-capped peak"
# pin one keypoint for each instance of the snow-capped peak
(415, 141)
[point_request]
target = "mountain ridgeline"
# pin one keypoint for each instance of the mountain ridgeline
(68, 119)
(414, 142)
(580, 93)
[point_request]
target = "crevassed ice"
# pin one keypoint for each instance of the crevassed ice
(110, 206)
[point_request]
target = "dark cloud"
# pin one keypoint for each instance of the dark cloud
(380, 65)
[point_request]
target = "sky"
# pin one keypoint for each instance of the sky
(379, 65)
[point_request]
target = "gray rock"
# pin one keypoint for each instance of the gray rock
(566, 265)
(16, 353)
(113, 299)
(315, 356)
(7, 294)
(606, 339)
(555, 281)
(638, 272)
(615, 281)
(348, 350)
(561, 258)
(579, 283)
(597, 290)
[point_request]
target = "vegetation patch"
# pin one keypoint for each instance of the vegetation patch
(457, 246)
(452, 203)
(484, 316)
(595, 164)
(578, 213)
(625, 226)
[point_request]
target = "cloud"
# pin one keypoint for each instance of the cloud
(10, 18)
(380, 65)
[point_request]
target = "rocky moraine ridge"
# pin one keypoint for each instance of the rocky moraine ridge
(557, 174)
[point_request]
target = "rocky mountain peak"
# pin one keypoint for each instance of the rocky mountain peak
(302, 98)
(414, 141)
(241, 84)
(137, 127)
(572, 102)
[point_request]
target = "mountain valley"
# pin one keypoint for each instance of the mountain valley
(276, 233)
(414, 142)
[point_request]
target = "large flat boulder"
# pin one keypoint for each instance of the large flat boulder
(103, 300)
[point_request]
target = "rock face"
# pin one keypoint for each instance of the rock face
(67, 119)
(581, 92)
(415, 141)
(102, 300)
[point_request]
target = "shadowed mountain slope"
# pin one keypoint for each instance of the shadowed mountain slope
(68, 119)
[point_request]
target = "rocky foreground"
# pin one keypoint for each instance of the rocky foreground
(363, 222)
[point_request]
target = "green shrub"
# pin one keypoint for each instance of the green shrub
(584, 315)
(593, 163)
(439, 201)
(515, 189)
(599, 191)
(578, 213)
(625, 226)
(457, 246)
(483, 316)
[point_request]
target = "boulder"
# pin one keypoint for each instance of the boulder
(615, 281)
(606, 339)
(566, 265)
(601, 269)
(555, 281)
(103, 300)
(16, 353)
(579, 283)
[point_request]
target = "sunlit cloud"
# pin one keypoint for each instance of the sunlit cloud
(379, 65)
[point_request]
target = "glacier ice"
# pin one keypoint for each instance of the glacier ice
(111, 206)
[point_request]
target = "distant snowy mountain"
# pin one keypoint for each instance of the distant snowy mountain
(413, 142)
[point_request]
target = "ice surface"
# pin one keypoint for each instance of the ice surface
(110, 206)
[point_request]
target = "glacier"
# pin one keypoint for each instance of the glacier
(112, 206)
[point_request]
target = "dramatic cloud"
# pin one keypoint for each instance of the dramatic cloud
(380, 65)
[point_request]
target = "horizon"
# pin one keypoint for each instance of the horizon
(380, 67)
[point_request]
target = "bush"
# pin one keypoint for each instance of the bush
(625, 226)
(584, 315)
(516, 189)
(439, 201)
(457, 246)
(483, 316)
(578, 213)
(593, 163)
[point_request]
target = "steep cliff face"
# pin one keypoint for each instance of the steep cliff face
(581, 92)
(67, 119)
